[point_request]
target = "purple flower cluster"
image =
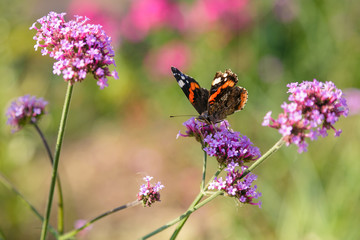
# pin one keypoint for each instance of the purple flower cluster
(78, 48)
(149, 194)
(221, 142)
(236, 187)
(24, 110)
(199, 129)
(313, 109)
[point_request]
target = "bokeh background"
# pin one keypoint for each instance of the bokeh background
(116, 136)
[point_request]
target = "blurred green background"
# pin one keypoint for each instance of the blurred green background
(116, 136)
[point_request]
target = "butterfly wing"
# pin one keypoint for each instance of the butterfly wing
(225, 98)
(197, 95)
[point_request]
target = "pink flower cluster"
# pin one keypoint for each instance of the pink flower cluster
(313, 110)
(352, 96)
(146, 15)
(24, 110)
(78, 48)
(230, 15)
(180, 19)
(159, 61)
(148, 193)
(237, 187)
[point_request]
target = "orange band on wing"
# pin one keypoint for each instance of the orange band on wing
(193, 86)
(244, 97)
(225, 85)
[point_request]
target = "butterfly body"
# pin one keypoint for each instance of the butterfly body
(223, 99)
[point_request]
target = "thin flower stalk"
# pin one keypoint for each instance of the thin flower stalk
(147, 195)
(58, 182)
(183, 216)
(56, 158)
(266, 155)
(10, 186)
(73, 233)
(29, 110)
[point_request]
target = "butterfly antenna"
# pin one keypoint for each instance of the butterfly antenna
(185, 115)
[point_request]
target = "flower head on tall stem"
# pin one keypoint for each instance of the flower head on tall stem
(313, 110)
(219, 141)
(237, 187)
(25, 109)
(78, 47)
(149, 193)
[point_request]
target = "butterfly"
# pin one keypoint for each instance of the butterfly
(223, 99)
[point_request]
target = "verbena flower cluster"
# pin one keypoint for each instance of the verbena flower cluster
(24, 110)
(313, 110)
(78, 48)
(221, 142)
(236, 187)
(148, 193)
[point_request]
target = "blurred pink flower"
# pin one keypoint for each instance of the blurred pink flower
(99, 14)
(160, 60)
(352, 96)
(145, 15)
(230, 14)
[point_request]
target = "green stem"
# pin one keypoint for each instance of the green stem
(56, 159)
(204, 172)
(58, 182)
(248, 170)
(46, 145)
(76, 231)
(272, 150)
(183, 216)
(60, 218)
(9, 185)
(193, 204)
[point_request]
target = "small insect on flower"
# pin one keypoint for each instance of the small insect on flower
(24, 110)
(77, 46)
(313, 110)
(214, 105)
(148, 193)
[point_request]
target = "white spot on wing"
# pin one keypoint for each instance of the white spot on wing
(216, 81)
(182, 77)
(225, 74)
(181, 83)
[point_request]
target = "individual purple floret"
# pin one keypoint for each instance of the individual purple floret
(236, 187)
(77, 46)
(313, 110)
(148, 193)
(221, 142)
(24, 110)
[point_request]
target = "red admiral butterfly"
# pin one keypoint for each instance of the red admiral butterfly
(224, 98)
